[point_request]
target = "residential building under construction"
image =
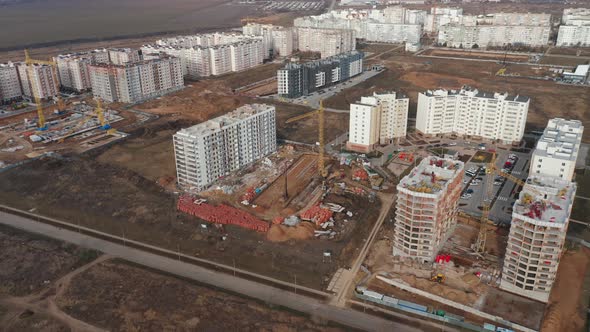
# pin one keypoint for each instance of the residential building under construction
(427, 208)
(537, 234)
(212, 149)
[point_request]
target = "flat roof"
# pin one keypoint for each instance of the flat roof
(545, 199)
(223, 121)
(472, 92)
(581, 70)
(561, 139)
(432, 175)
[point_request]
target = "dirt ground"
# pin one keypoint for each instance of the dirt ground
(103, 294)
(477, 55)
(411, 75)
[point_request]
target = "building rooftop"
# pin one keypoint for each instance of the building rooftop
(545, 199)
(561, 139)
(432, 175)
(220, 122)
(332, 59)
(472, 92)
(581, 70)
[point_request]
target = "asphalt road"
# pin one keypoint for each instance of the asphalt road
(345, 316)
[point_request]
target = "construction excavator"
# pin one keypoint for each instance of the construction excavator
(320, 113)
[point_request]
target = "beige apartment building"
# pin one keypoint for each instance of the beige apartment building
(10, 88)
(38, 81)
(328, 42)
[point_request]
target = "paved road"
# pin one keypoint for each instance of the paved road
(340, 298)
(248, 288)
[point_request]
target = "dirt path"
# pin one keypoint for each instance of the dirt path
(43, 302)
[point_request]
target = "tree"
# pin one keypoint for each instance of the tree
(475, 46)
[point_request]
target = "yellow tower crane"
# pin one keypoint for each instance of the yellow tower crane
(60, 104)
(321, 153)
(480, 243)
(104, 125)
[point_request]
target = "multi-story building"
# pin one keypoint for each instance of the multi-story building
(472, 113)
(378, 119)
(282, 41)
(136, 81)
(296, 80)
(277, 40)
(73, 72)
(328, 42)
(38, 81)
(573, 35)
(460, 35)
(214, 148)
(10, 87)
(540, 219)
(576, 16)
(557, 149)
(426, 208)
(212, 54)
(121, 56)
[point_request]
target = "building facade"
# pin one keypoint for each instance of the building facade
(378, 119)
(573, 35)
(540, 219)
(296, 80)
(121, 56)
(212, 149)
(460, 35)
(10, 86)
(138, 81)
(472, 113)
(38, 81)
(557, 149)
(426, 208)
(328, 42)
(73, 71)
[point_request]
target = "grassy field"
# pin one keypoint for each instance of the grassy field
(64, 20)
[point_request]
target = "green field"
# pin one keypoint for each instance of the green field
(51, 21)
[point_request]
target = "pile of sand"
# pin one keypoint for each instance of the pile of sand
(282, 233)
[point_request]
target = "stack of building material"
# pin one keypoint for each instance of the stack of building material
(317, 214)
(360, 175)
(221, 214)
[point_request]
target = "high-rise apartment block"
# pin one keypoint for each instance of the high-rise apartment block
(121, 56)
(540, 219)
(426, 211)
(573, 35)
(576, 16)
(212, 54)
(138, 81)
(73, 71)
(557, 149)
(460, 35)
(278, 41)
(296, 80)
(328, 42)
(214, 148)
(378, 119)
(10, 87)
(469, 112)
(38, 81)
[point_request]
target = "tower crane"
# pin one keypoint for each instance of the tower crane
(60, 103)
(321, 153)
(104, 125)
(491, 169)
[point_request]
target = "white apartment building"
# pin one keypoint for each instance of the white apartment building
(277, 40)
(121, 56)
(469, 112)
(540, 219)
(426, 208)
(138, 81)
(573, 35)
(10, 87)
(73, 72)
(378, 119)
(38, 81)
(392, 33)
(328, 42)
(576, 16)
(212, 54)
(212, 149)
(557, 149)
(459, 35)
(282, 41)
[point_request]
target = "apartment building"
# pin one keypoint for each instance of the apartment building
(10, 87)
(540, 219)
(377, 119)
(328, 42)
(392, 33)
(121, 56)
(37, 81)
(296, 80)
(460, 35)
(136, 81)
(557, 149)
(576, 16)
(73, 72)
(472, 113)
(426, 208)
(573, 35)
(212, 149)
(212, 54)
(282, 42)
(277, 40)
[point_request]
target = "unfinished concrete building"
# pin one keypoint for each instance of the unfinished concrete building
(427, 208)
(539, 225)
(214, 148)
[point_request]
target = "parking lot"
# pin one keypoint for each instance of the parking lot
(504, 190)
